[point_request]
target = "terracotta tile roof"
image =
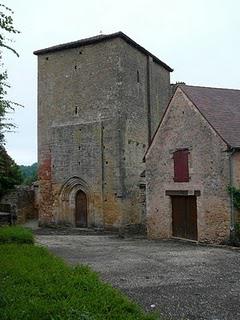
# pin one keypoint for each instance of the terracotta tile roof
(221, 108)
(100, 38)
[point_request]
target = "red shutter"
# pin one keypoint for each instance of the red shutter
(181, 172)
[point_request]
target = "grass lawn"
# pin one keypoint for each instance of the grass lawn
(15, 234)
(34, 285)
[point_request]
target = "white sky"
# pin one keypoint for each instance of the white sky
(199, 39)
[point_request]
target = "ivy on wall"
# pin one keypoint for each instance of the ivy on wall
(235, 193)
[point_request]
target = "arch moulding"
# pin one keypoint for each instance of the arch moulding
(67, 200)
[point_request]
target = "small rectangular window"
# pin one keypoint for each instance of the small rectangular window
(181, 169)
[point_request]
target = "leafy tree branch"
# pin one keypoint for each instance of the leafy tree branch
(6, 28)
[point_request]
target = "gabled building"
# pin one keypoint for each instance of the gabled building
(192, 160)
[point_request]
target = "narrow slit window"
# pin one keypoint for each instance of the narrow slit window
(76, 110)
(138, 77)
(181, 167)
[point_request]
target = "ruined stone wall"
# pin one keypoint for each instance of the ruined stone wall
(93, 124)
(184, 127)
(22, 202)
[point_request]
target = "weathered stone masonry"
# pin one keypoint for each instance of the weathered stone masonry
(22, 203)
(183, 126)
(99, 103)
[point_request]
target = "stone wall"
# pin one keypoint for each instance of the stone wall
(95, 106)
(184, 127)
(144, 93)
(22, 202)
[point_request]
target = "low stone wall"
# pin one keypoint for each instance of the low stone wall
(22, 202)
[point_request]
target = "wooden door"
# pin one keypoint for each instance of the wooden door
(184, 217)
(81, 209)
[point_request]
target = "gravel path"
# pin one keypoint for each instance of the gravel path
(182, 280)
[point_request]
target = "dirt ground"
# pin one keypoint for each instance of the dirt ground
(182, 280)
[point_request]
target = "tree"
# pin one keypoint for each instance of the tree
(29, 173)
(7, 28)
(10, 174)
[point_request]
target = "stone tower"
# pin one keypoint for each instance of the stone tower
(99, 102)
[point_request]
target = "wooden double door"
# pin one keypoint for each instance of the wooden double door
(81, 210)
(184, 217)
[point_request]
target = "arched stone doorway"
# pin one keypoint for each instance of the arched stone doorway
(81, 208)
(76, 203)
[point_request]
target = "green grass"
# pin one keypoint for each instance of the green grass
(35, 285)
(15, 234)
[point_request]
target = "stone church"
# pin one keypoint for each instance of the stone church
(100, 100)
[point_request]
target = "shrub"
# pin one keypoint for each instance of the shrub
(15, 234)
(10, 174)
(235, 193)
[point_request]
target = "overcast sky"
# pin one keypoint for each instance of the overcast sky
(198, 39)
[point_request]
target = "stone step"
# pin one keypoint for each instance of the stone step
(71, 231)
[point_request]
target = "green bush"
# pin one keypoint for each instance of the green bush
(37, 285)
(15, 234)
(10, 174)
(29, 173)
(237, 231)
(235, 194)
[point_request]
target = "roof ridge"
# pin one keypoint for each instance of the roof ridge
(206, 87)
